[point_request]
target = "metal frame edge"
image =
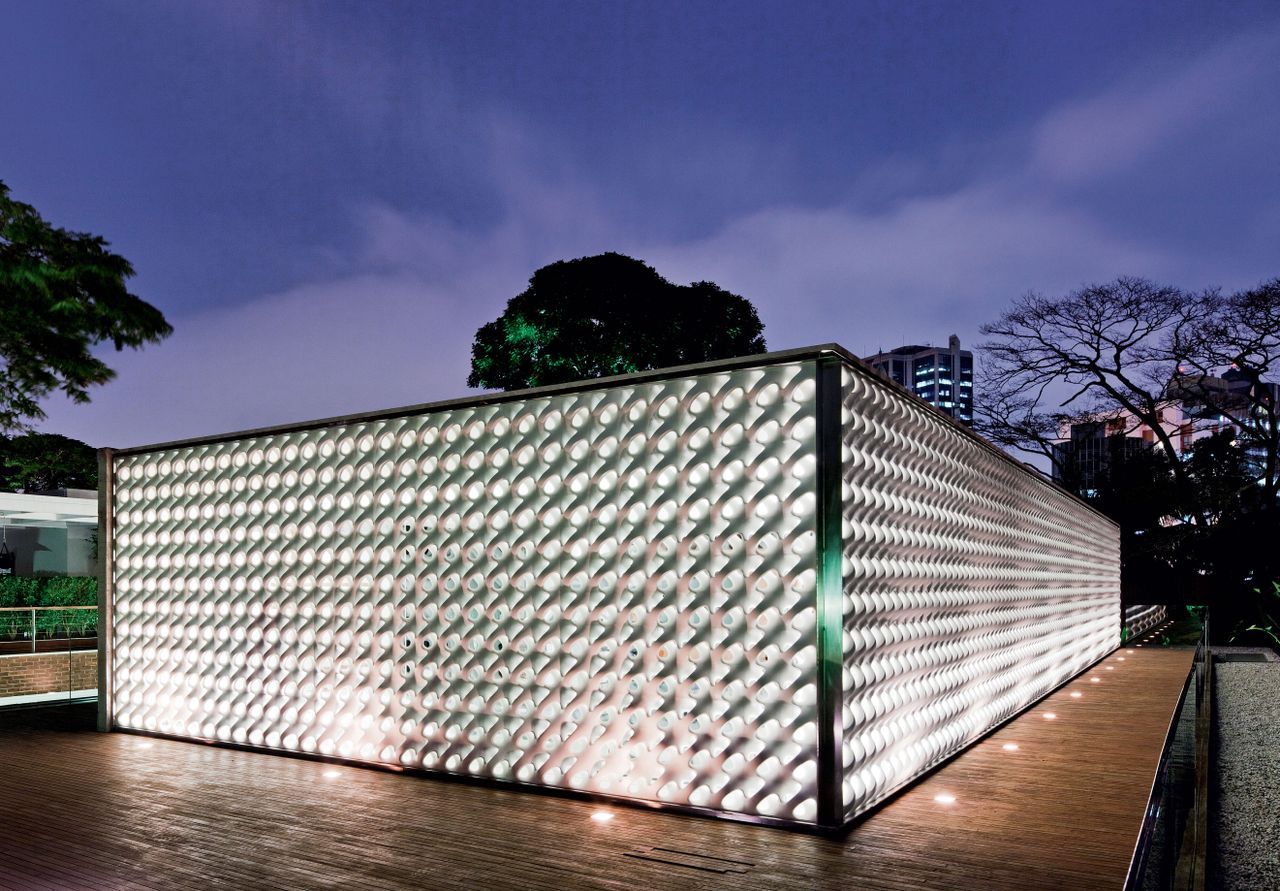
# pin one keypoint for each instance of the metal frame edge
(106, 555)
(830, 594)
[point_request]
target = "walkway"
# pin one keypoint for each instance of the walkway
(113, 811)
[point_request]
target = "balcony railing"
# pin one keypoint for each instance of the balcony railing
(1171, 850)
(48, 654)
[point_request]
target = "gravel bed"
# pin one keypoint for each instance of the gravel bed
(1244, 833)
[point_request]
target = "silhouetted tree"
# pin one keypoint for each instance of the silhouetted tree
(61, 293)
(1204, 523)
(604, 315)
(41, 461)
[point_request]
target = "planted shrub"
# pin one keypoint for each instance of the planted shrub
(64, 591)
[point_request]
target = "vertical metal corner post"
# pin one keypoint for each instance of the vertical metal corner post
(106, 553)
(830, 595)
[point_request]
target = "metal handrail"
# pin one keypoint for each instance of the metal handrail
(1193, 853)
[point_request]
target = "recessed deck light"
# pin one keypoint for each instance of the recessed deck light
(1010, 747)
(1076, 694)
(332, 774)
(602, 816)
(1050, 716)
(944, 798)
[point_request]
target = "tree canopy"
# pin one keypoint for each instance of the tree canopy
(38, 462)
(604, 315)
(61, 294)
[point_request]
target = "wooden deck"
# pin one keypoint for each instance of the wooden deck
(81, 810)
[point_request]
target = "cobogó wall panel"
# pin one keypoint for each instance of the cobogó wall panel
(1140, 618)
(609, 591)
(613, 588)
(971, 589)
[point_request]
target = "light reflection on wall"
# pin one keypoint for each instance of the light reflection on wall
(613, 590)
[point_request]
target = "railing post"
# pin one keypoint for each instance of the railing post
(33, 629)
(106, 550)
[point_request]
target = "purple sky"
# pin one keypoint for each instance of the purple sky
(328, 199)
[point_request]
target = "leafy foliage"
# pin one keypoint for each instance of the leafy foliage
(56, 591)
(40, 461)
(61, 294)
(605, 315)
(51, 591)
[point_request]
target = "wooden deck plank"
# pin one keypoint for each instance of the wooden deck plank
(117, 811)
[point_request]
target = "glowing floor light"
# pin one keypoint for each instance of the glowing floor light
(602, 816)
(944, 798)
(1010, 747)
(1050, 716)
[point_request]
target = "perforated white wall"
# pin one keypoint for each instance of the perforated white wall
(608, 591)
(1139, 618)
(615, 590)
(972, 588)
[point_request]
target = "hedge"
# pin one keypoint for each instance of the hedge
(21, 591)
(48, 591)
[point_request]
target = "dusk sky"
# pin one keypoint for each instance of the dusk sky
(327, 199)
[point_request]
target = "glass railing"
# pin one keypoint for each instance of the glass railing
(48, 654)
(1172, 845)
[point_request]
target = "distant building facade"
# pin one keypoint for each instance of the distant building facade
(941, 376)
(1192, 412)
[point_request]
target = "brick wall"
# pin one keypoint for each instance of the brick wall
(47, 673)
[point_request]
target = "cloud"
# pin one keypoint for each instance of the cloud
(1118, 127)
(315, 351)
(907, 256)
(921, 269)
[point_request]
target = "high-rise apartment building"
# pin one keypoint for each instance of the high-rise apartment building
(941, 376)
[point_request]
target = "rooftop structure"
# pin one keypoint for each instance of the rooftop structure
(49, 534)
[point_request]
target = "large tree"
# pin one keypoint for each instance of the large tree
(1202, 523)
(1104, 350)
(608, 314)
(40, 461)
(61, 294)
